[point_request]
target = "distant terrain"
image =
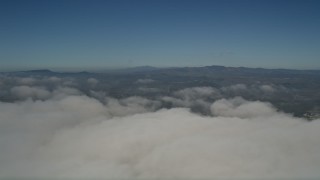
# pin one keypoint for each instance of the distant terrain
(292, 91)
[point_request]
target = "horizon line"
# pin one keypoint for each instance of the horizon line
(100, 69)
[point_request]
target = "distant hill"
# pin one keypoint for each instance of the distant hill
(138, 69)
(186, 71)
(38, 71)
(42, 72)
(232, 71)
(47, 72)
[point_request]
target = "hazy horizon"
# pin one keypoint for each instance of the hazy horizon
(103, 69)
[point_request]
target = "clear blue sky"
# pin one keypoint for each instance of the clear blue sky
(127, 33)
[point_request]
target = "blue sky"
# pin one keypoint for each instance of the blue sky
(126, 33)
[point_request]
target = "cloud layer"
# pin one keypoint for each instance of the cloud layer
(62, 128)
(78, 136)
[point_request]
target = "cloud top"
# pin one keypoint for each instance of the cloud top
(238, 107)
(64, 127)
(81, 137)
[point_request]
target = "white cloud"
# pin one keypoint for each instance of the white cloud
(78, 136)
(235, 88)
(197, 92)
(131, 105)
(145, 81)
(26, 81)
(267, 88)
(30, 92)
(62, 92)
(151, 90)
(197, 98)
(69, 82)
(54, 79)
(36, 93)
(241, 108)
(92, 81)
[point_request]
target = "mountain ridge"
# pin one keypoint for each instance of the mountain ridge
(202, 69)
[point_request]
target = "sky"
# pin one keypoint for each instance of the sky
(78, 34)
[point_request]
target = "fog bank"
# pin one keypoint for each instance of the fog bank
(76, 136)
